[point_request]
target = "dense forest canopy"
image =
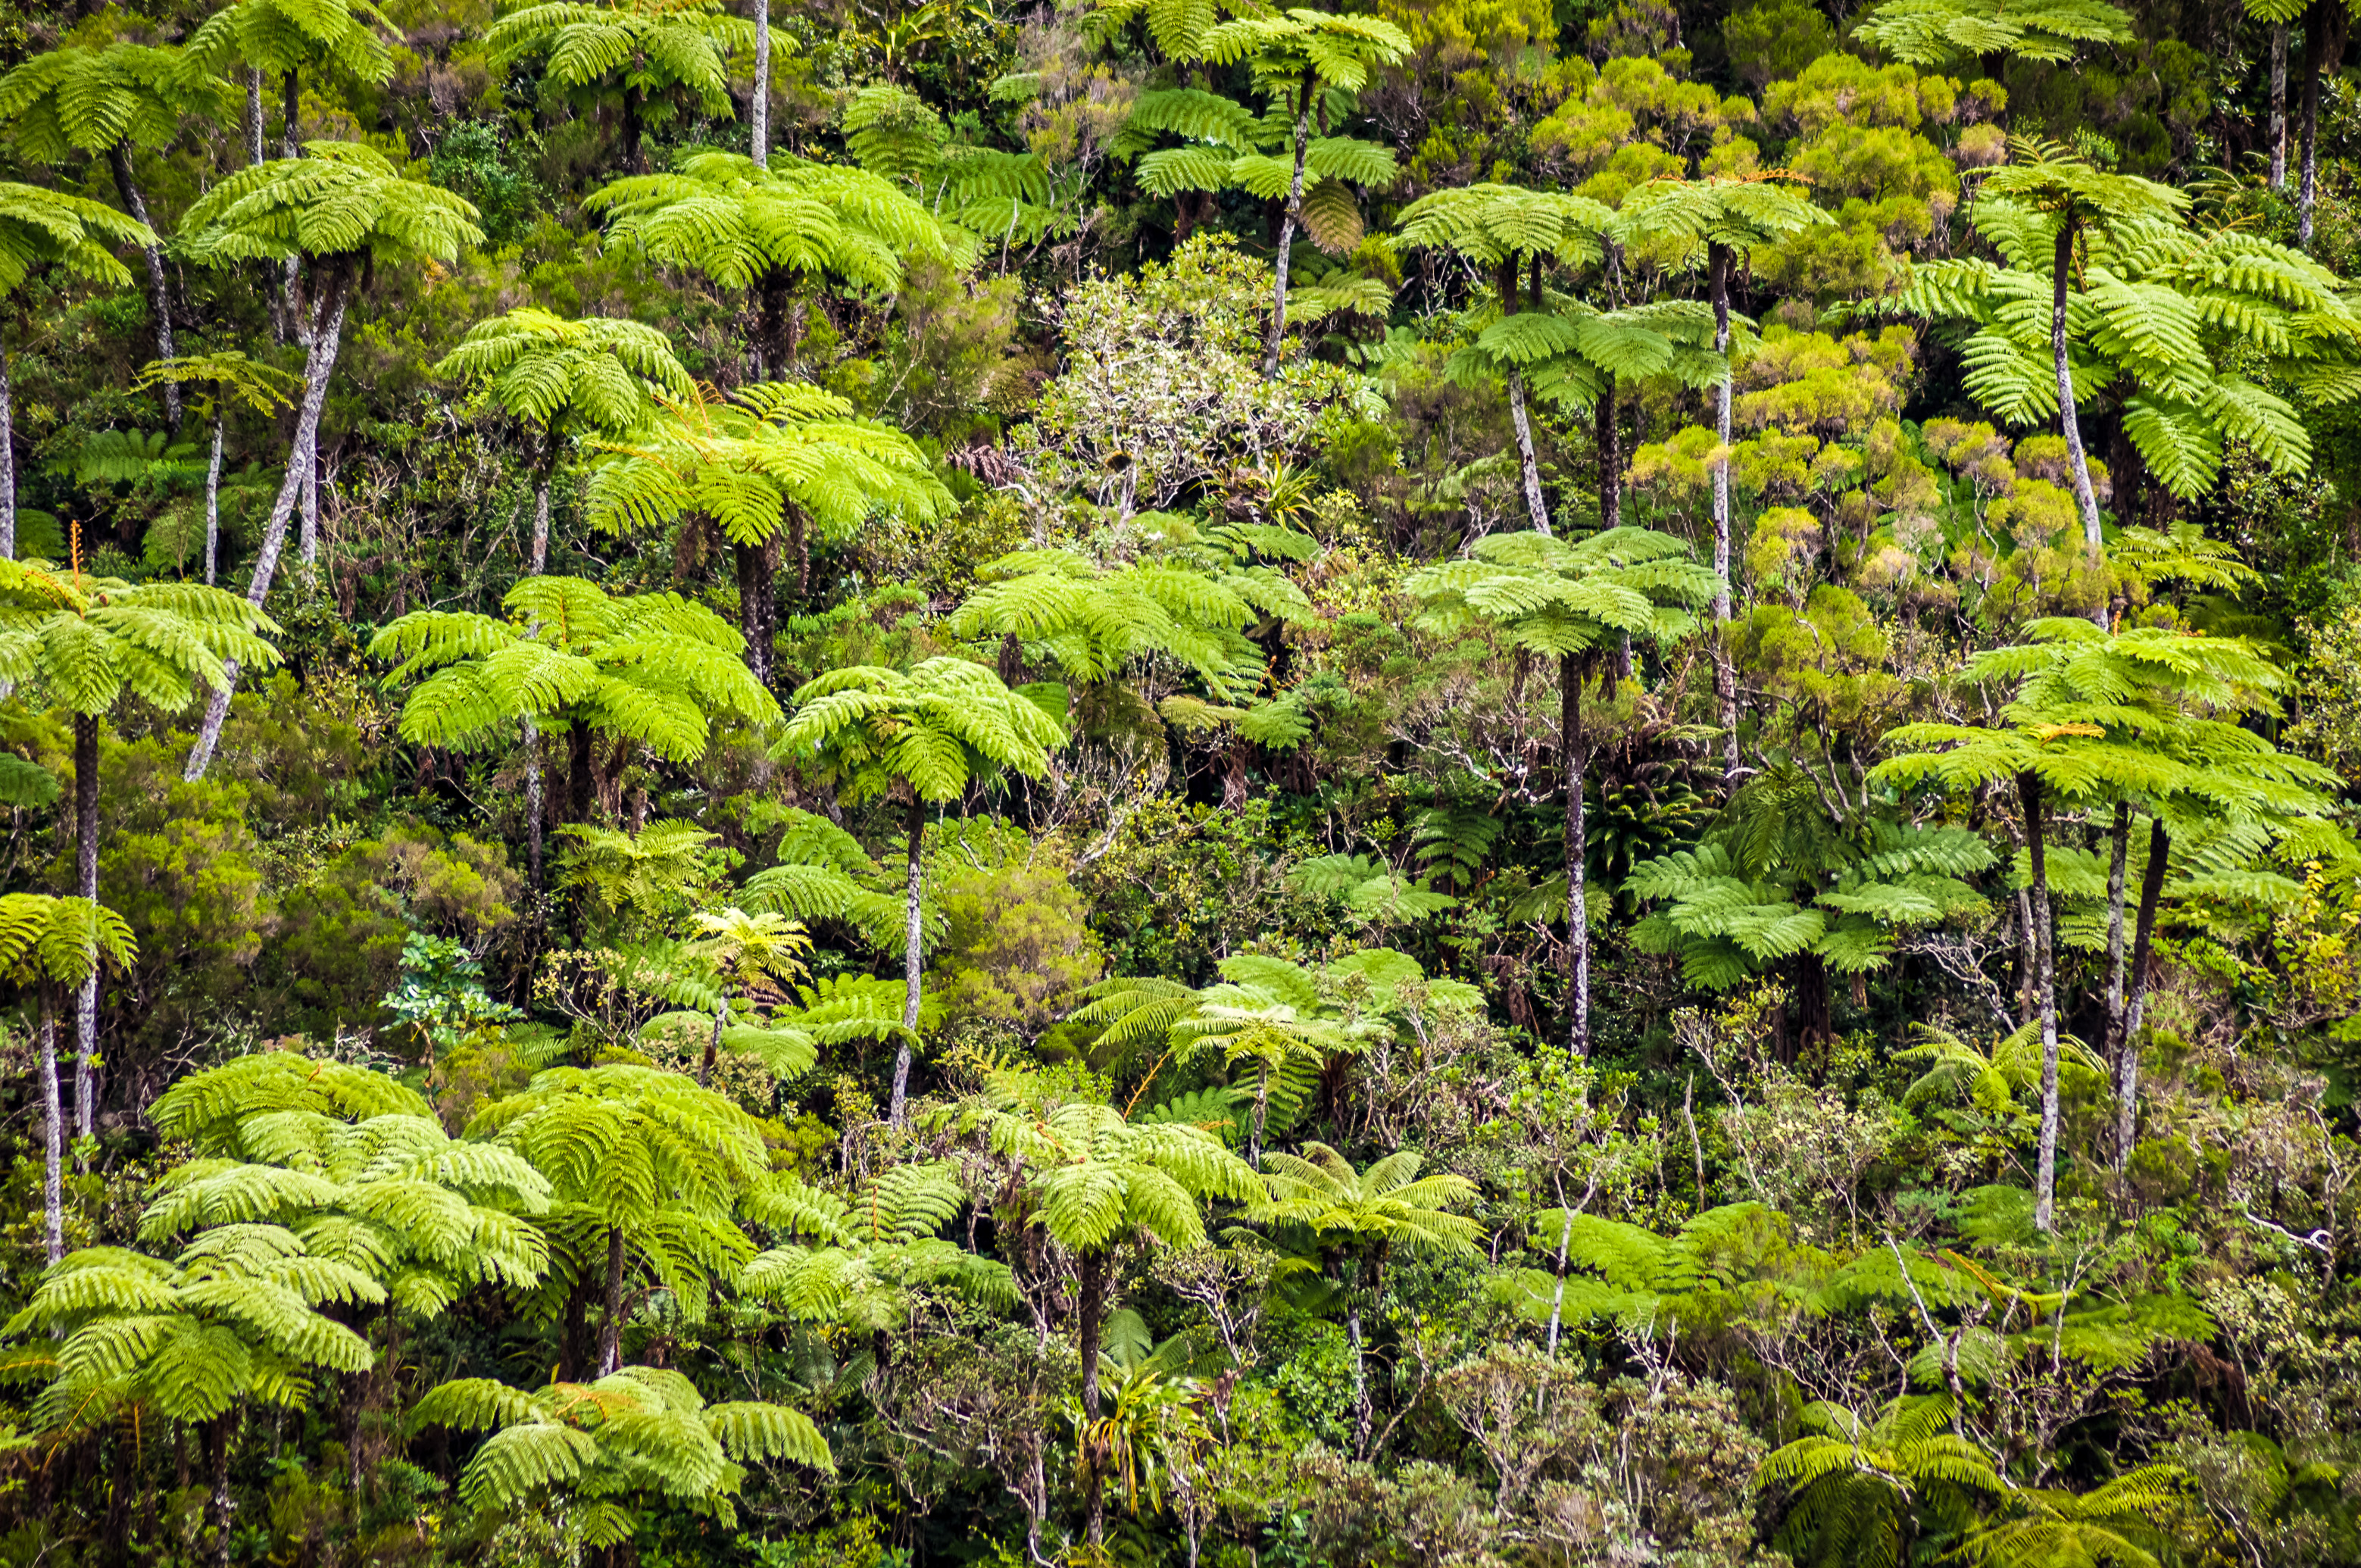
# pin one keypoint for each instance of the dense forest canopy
(1483, 783)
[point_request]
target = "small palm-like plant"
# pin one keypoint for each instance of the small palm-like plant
(756, 954)
(222, 376)
(343, 211)
(923, 734)
(1545, 595)
(654, 50)
(595, 378)
(645, 1169)
(106, 100)
(636, 1432)
(40, 229)
(1360, 1217)
(50, 944)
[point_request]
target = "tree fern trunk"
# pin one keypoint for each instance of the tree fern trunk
(1360, 1377)
(758, 112)
(2044, 1180)
(2119, 839)
(2127, 1049)
(86, 886)
(319, 363)
(1287, 227)
(213, 494)
(755, 586)
(1261, 1116)
(1576, 761)
(1090, 1317)
(253, 115)
(2085, 498)
(713, 1044)
(7, 462)
(1527, 461)
(581, 771)
(913, 961)
(611, 1332)
(1557, 1294)
(217, 1436)
(53, 1130)
(2279, 107)
(1725, 677)
(118, 158)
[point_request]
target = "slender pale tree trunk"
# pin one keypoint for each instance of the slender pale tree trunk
(611, 1332)
(1725, 676)
(212, 492)
(1608, 436)
(224, 1507)
(1360, 1375)
(254, 115)
(759, 112)
(86, 885)
(2044, 1180)
(1091, 1318)
(2127, 1049)
(118, 158)
(7, 461)
(1576, 757)
(2085, 498)
(913, 961)
(2279, 105)
(2323, 54)
(53, 1131)
(2119, 841)
(1287, 226)
(1261, 1116)
(290, 147)
(307, 543)
(318, 363)
(1557, 1292)
(1534, 506)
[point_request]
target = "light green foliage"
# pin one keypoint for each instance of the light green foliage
(1777, 878)
(742, 225)
(640, 1430)
(1939, 32)
(355, 1170)
(775, 457)
(651, 668)
(933, 728)
(86, 641)
(341, 202)
(94, 99)
(868, 1254)
(1015, 943)
(651, 50)
(594, 377)
(234, 1318)
(637, 1155)
(1557, 597)
(283, 36)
